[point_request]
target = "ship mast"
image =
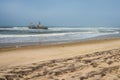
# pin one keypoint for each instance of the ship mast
(31, 25)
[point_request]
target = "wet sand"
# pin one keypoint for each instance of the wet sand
(91, 60)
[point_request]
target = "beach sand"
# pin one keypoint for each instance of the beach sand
(90, 60)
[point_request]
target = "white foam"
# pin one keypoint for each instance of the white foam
(55, 34)
(43, 35)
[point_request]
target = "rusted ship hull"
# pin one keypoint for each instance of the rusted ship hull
(38, 27)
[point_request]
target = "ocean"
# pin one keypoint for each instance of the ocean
(23, 36)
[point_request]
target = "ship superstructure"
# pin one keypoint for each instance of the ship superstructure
(39, 26)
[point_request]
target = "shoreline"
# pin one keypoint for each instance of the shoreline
(32, 54)
(3, 49)
(42, 43)
(93, 59)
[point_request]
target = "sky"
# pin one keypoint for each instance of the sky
(60, 12)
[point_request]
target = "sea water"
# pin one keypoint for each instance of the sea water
(22, 36)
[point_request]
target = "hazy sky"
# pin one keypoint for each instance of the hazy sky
(60, 12)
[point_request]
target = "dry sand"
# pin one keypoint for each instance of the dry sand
(74, 61)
